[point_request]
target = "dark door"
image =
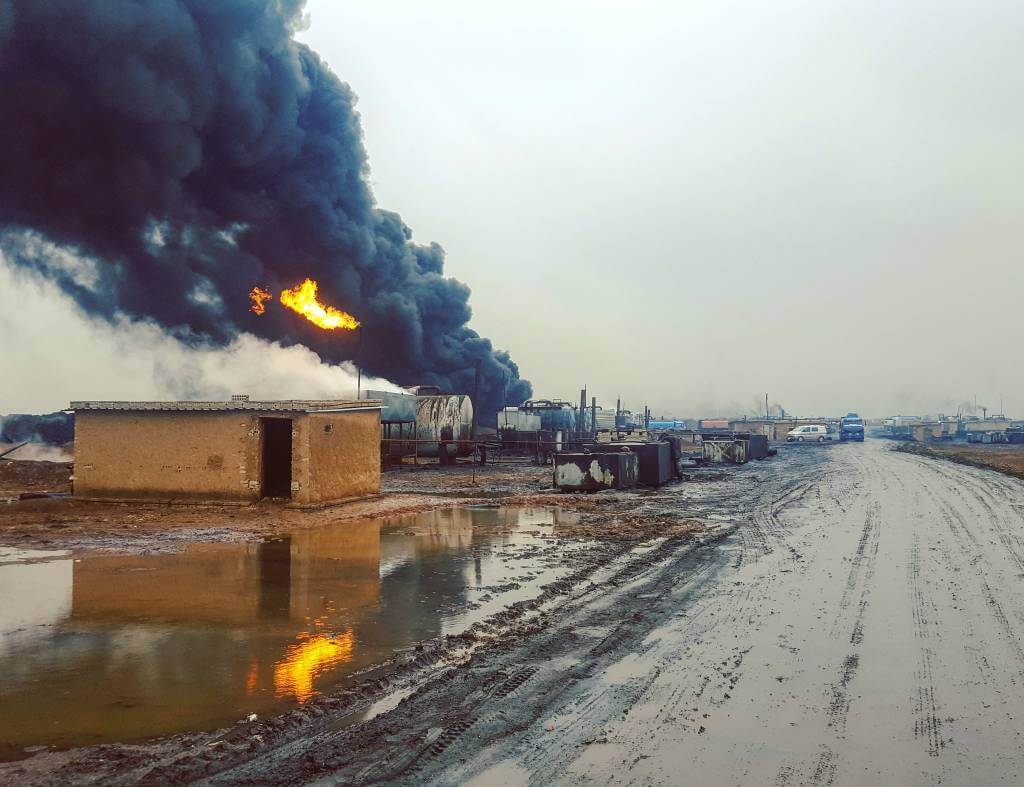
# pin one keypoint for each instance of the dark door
(277, 457)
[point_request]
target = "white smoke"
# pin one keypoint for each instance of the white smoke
(51, 353)
(249, 365)
(38, 451)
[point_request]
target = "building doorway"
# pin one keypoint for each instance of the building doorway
(276, 450)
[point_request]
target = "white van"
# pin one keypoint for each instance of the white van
(806, 434)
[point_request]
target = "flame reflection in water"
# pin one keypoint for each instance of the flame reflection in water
(306, 660)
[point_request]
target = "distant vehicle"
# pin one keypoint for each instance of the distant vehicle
(851, 427)
(806, 434)
(851, 432)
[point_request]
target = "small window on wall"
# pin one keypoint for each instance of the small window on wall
(328, 428)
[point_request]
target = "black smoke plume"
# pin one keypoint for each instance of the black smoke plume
(53, 429)
(192, 149)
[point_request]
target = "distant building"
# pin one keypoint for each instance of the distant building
(239, 451)
(774, 428)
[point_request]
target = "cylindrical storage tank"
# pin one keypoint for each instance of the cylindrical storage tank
(518, 420)
(444, 418)
(554, 416)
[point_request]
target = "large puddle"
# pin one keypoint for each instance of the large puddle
(122, 648)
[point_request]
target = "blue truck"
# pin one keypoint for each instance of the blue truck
(851, 428)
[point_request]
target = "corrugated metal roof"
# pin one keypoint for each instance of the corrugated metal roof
(284, 405)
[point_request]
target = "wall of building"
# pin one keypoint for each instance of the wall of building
(986, 426)
(338, 456)
(198, 455)
(190, 455)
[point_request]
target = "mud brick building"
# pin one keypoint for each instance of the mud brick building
(307, 452)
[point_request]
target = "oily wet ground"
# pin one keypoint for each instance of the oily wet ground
(125, 647)
(861, 625)
(162, 527)
(592, 569)
(856, 617)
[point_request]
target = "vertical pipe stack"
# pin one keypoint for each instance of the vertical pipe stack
(581, 422)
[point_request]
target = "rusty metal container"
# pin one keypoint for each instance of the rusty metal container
(732, 452)
(654, 460)
(444, 418)
(593, 472)
(757, 445)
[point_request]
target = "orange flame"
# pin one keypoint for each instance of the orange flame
(258, 296)
(302, 299)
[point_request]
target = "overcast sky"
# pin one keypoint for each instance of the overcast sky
(692, 204)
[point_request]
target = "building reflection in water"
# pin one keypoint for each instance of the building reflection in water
(156, 644)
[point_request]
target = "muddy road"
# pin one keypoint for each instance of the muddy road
(861, 624)
(855, 617)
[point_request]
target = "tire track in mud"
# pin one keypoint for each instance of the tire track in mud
(861, 572)
(961, 535)
(858, 584)
(681, 675)
(849, 626)
(1007, 529)
(684, 699)
(971, 547)
(927, 724)
(602, 710)
(489, 701)
(762, 533)
(699, 679)
(924, 616)
(680, 651)
(967, 505)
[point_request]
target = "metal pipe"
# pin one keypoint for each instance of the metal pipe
(359, 361)
(581, 421)
(12, 450)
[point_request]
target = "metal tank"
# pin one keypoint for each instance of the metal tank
(605, 418)
(444, 418)
(554, 415)
(512, 418)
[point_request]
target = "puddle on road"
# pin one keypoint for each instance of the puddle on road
(122, 648)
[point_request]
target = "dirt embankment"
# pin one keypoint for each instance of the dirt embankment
(157, 527)
(19, 476)
(1007, 459)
